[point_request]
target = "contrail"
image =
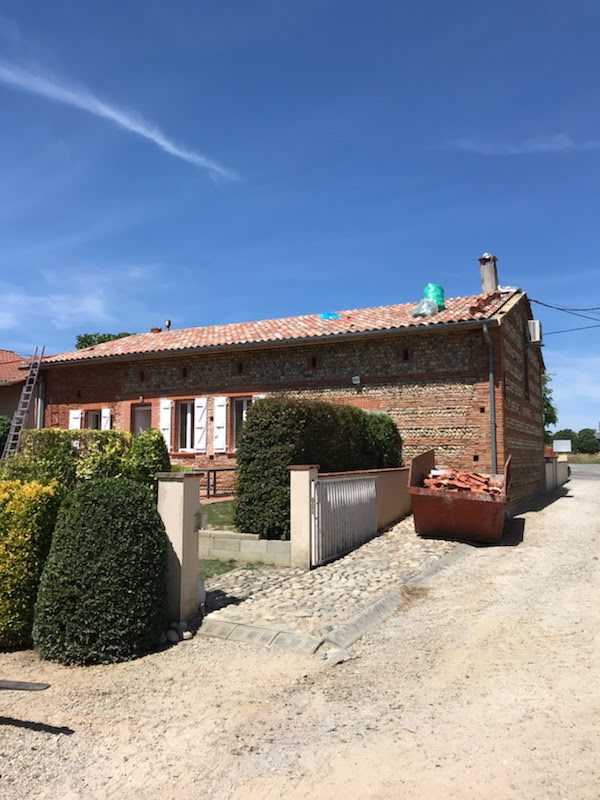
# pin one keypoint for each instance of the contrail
(79, 98)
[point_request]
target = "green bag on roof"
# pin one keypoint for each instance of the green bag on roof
(435, 292)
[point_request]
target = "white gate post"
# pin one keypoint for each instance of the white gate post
(301, 478)
(179, 506)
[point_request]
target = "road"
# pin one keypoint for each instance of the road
(585, 471)
(485, 684)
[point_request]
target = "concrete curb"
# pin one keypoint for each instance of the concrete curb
(274, 638)
(420, 579)
(363, 621)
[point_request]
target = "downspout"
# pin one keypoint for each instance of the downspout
(41, 404)
(490, 345)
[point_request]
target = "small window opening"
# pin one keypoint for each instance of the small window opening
(142, 375)
(475, 458)
(405, 355)
(240, 368)
(314, 362)
(184, 372)
(482, 409)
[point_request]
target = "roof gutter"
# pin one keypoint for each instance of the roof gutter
(269, 344)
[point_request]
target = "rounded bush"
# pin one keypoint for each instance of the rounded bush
(147, 456)
(281, 431)
(102, 596)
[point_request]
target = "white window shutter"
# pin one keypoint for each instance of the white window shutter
(220, 425)
(200, 424)
(165, 420)
(75, 416)
(105, 419)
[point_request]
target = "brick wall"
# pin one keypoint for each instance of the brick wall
(523, 434)
(434, 385)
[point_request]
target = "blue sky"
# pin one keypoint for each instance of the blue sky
(218, 161)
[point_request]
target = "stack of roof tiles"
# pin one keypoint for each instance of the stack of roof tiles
(454, 481)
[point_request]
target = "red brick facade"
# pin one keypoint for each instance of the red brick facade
(433, 382)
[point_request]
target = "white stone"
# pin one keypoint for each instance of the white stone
(187, 635)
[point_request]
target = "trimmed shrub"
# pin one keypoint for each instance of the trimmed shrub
(283, 431)
(103, 592)
(67, 456)
(4, 429)
(147, 456)
(27, 516)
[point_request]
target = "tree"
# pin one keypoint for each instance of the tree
(550, 410)
(587, 442)
(89, 339)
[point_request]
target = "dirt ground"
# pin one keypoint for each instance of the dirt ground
(486, 684)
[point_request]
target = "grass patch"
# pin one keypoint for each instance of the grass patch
(209, 567)
(583, 458)
(220, 515)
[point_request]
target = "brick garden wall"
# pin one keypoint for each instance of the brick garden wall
(434, 385)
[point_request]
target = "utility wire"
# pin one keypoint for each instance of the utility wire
(568, 330)
(563, 308)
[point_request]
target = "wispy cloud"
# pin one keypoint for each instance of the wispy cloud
(558, 143)
(60, 309)
(19, 78)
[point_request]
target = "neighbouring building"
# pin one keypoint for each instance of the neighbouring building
(13, 372)
(431, 374)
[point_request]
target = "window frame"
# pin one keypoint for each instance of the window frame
(94, 412)
(246, 402)
(189, 426)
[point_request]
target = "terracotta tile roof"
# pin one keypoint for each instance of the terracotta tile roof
(289, 329)
(10, 368)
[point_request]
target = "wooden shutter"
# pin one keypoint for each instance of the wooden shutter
(165, 420)
(200, 424)
(220, 425)
(105, 419)
(75, 417)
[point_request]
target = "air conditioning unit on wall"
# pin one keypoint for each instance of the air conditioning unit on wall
(535, 331)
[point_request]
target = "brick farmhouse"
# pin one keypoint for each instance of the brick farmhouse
(432, 375)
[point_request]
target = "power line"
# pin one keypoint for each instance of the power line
(564, 308)
(568, 330)
(576, 314)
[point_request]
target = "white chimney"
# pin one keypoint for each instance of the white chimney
(489, 273)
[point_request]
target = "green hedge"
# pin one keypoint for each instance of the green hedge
(279, 432)
(27, 517)
(71, 456)
(103, 592)
(147, 456)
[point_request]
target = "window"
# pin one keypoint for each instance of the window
(94, 420)
(240, 409)
(314, 362)
(142, 418)
(186, 425)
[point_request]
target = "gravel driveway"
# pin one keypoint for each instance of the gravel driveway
(484, 685)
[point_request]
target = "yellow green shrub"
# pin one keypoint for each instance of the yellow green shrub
(27, 518)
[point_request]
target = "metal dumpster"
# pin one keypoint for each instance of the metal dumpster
(456, 515)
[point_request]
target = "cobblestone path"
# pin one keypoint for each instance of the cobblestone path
(314, 603)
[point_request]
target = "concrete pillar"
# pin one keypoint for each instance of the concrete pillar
(179, 506)
(301, 478)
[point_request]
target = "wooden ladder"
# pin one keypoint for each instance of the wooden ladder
(14, 434)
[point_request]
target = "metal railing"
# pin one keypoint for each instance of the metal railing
(344, 516)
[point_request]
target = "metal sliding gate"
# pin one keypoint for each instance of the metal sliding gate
(344, 516)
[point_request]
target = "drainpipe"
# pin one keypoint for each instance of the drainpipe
(490, 345)
(41, 404)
